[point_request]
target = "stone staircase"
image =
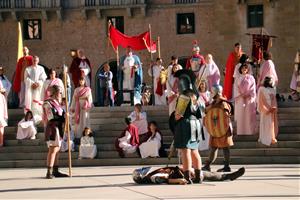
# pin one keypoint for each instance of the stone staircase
(107, 124)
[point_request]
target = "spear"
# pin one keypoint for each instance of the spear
(67, 124)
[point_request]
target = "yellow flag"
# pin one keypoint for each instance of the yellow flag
(20, 42)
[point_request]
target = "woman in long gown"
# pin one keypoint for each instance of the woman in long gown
(267, 107)
(151, 147)
(245, 102)
(81, 105)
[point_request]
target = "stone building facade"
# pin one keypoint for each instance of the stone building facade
(218, 24)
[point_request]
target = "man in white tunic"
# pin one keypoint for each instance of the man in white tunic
(34, 77)
(5, 86)
(159, 73)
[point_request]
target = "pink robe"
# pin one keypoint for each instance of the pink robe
(245, 109)
(295, 79)
(267, 70)
(268, 128)
(81, 103)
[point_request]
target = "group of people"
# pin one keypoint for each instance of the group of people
(140, 136)
(196, 100)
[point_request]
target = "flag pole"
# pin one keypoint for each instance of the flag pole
(151, 65)
(67, 126)
(158, 46)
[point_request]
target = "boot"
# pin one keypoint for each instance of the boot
(198, 176)
(232, 176)
(56, 173)
(226, 168)
(206, 167)
(187, 177)
(49, 174)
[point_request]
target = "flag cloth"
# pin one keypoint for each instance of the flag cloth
(137, 42)
(20, 42)
(258, 41)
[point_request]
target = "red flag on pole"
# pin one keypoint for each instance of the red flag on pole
(137, 42)
(260, 43)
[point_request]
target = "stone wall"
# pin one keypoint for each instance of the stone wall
(218, 26)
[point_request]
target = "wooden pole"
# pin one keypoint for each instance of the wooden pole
(151, 65)
(67, 126)
(158, 46)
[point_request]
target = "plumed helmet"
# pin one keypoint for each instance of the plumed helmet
(186, 81)
(195, 46)
(216, 89)
(139, 174)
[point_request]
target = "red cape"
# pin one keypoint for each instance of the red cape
(23, 62)
(76, 72)
(188, 63)
(134, 140)
(232, 61)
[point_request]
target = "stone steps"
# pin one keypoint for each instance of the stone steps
(148, 161)
(114, 154)
(107, 124)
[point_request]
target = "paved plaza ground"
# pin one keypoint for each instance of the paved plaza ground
(115, 182)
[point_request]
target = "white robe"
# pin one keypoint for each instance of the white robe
(159, 100)
(124, 144)
(202, 100)
(267, 123)
(128, 81)
(84, 116)
(140, 123)
(64, 143)
(87, 147)
(86, 70)
(170, 83)
(5, 86)
(33, 97)
(26, 130)
(151, 147)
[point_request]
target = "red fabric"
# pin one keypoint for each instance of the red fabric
(160, 88)
(188, 62)
(232, 61)
(134, 140)
(137, 42)
(76, 72)
(259, 42)
(19, 73)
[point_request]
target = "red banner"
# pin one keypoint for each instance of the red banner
(260, 43)
(138, 42)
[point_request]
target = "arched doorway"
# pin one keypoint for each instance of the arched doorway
(98, 85)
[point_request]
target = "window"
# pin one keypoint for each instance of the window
(255, 16)
(117, 22)
(185, 23)
(32, 29)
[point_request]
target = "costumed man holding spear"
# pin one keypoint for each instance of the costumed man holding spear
(54, 118)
